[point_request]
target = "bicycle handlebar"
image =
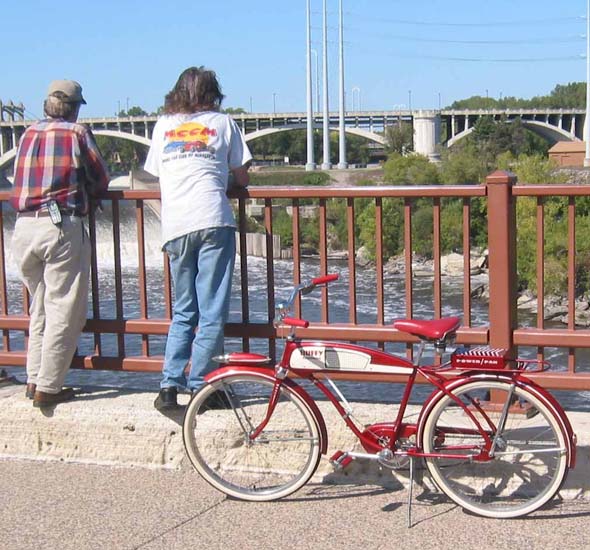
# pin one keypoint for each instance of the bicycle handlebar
(292, 322)
(324, 279)
(284, 308)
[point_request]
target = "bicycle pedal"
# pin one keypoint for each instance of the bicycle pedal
(340, 460)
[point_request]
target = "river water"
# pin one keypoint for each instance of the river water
(257, 294)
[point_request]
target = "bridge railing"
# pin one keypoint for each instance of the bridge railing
(131, 291)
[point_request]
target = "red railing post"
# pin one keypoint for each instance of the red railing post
(502, 259)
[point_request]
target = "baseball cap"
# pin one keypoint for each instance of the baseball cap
(70, 88)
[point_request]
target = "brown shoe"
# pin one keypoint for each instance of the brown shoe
(30, 391)
(44, 399)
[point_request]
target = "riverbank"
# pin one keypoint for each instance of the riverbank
(115, 427)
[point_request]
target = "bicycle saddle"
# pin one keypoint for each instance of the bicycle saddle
(434, 329)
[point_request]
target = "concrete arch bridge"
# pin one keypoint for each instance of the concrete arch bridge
(552, 124)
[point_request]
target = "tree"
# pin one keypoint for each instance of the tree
(233, 110)
(121, 155)
(563, 96)
(133, 111)
(410, 170)
(399, 138)
(462, 165)
(392, 227)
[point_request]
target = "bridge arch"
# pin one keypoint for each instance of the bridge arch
(8, 157)
(123, 135)
(371, 136)
(547, 131)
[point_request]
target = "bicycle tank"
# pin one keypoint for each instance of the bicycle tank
(343, 357)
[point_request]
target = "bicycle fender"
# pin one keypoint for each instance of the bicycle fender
(560, 415)
(549, 400)
(268, 374)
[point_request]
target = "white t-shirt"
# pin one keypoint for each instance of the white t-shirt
(192, 155)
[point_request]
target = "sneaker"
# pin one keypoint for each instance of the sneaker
(166, 399)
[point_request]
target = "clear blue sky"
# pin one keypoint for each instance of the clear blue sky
(121, 49)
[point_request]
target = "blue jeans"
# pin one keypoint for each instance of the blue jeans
(201, 264)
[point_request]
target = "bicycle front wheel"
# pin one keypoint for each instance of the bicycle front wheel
(217, 427)
(529, 460)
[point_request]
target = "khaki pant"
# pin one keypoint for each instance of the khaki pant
(55, 264)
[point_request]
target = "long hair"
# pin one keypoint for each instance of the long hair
(196, 89)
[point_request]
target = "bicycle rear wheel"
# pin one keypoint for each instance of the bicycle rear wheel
(216, 429)
(530, 461)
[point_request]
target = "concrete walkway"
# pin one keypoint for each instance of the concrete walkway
(108, 471)
(75, 506)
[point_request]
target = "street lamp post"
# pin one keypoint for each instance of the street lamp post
(274, 103)
(342, 164)
(587, 119)
(310, 164)
(358, 93)
(326, 164)
(317, 79)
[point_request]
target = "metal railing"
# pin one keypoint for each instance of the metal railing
(146, 323)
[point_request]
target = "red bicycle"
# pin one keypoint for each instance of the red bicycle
(493, 441)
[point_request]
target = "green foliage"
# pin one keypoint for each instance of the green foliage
(121, 155)
(563, 96)
(289, 178)
(282, 224)
(133, 111)
(233, 110)
(536, 169)
(462, 165)
(399, 138)
(392, 227)
(451, 228)
(410, 170)
(293, 144)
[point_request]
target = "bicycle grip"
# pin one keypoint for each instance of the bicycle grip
(292, 322)
(324, 279)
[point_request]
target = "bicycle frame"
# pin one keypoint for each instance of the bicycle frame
(493, 441)
(307, 360)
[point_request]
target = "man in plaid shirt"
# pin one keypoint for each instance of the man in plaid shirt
(58, 171)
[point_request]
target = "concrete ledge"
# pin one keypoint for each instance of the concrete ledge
(121, 427)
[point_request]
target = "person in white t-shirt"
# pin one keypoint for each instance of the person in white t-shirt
(194, 149)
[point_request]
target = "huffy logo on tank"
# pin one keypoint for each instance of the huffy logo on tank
(189, 139)
(312, 352)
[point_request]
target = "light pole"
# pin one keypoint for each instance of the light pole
(317, 79)
(251, 110)
(358, 93)
(274, 103)
(310, 164)
(342, 164)
(587, 119)
(439, 102)
(118, 107)
(127, 103)
(326, 165)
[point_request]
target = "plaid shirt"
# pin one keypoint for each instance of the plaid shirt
(58, 160)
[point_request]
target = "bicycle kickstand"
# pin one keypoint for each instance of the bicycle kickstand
(410, 491)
